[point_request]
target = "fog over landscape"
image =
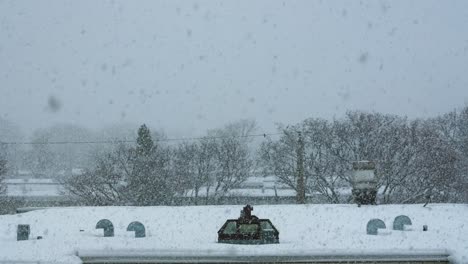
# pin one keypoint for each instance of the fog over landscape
(187, 67)
(148, 131)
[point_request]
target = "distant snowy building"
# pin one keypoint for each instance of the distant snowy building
(33, 188)
(255, 190)
(36, 193)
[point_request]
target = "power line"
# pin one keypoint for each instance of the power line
(134, 141)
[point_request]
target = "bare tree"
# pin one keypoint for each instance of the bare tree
(195, 166)
(3, 170)
(205, 166)
(434, 169)
(185, 167)
(13, 154)
(385, 139)
(413, 163)
(232, 156)
(234, 165)
(241, 129)
(140, 175)
(452, 130)
(102, 185)
(41, 158)
(280, 158)
(323, 176)
(7, 204)
(54, 153)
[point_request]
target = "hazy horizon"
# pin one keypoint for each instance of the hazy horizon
(188, 66)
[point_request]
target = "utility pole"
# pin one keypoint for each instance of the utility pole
(300, 170)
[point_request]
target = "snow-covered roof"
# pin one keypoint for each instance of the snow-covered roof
(262, 192)
(247, 192)
(185, 231)
(33, 188)
(264, 181)
(30, 181)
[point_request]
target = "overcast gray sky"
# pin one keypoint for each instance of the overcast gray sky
(186, 66)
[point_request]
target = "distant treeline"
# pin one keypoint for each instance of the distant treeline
(418, 160)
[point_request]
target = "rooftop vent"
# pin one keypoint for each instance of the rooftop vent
(107, 226)
(138, 227)
(373, 225)
(22, 233)
(248, 229)
(400, 222)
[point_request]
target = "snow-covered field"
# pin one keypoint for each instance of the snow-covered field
(304, 229)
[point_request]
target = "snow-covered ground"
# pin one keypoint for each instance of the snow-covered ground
(304, 229)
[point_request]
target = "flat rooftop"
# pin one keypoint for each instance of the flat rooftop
(189, 233)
